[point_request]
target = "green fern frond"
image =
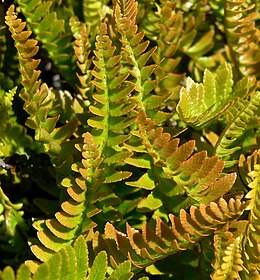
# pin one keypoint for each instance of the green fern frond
(239, 117)
(111, 108)
(72, 262)
(13, 228)
(134, 51)
(146, 247)
(6, 102)
(169, 30)
(8, 61)
(243, 36)
(201, 103)
(77, 211)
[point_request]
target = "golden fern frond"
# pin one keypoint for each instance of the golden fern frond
(38, 98)
(250, 167)
(77, 211)
(82, 52)
(228, 244)
(146, 247)
(232, 262)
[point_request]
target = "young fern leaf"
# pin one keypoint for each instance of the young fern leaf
(146, 247)
(77, 211)
(38, 98)
(202, 103)
(134, 50)
(251, 168)
(243, 36)
(111, 108)
(239, 117)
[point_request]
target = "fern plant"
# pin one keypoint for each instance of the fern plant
(129, 140)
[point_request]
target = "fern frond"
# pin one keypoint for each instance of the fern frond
(146, 247)
(251, 167)
(77, 211)
(197, 174)
(82, 51)
(232, 262)
(6, 102)
(8, 61)
(134, 50)
(201, 103)
(111, 108)
(243, 36)
(72, 262)
(239, 117)
(168, 30)
(53, 36)
(37, 96)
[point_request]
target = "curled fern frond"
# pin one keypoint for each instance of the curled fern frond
(243, 36)
(75, 217)
(144, 248)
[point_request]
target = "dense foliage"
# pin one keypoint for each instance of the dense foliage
(129, 139)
